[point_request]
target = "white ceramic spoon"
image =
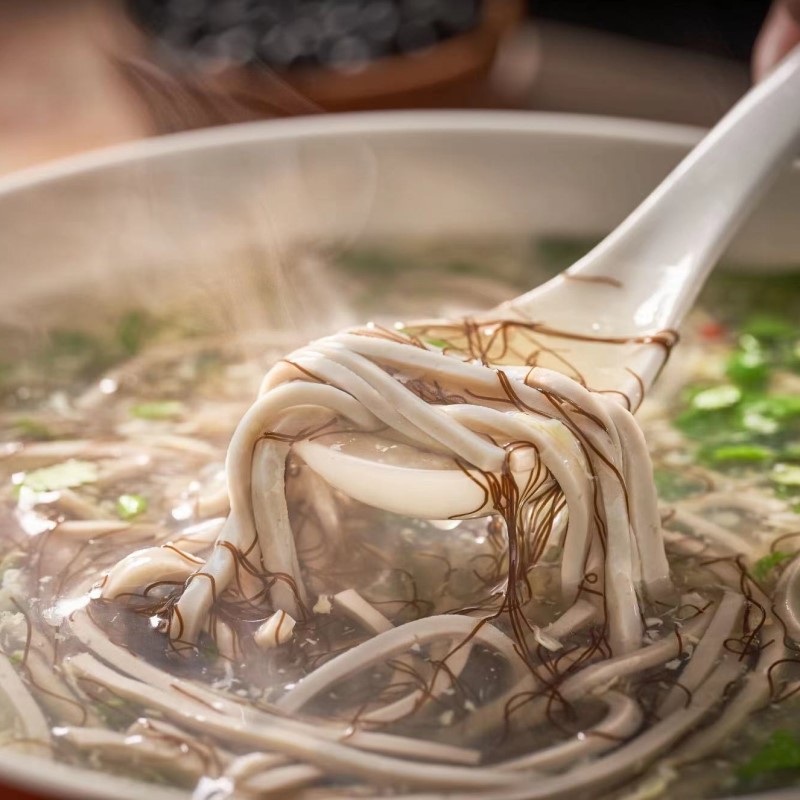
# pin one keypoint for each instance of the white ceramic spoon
(640, 280)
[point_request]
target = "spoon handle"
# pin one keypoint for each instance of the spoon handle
(663, 251)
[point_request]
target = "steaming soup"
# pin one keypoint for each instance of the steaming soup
(145, 633)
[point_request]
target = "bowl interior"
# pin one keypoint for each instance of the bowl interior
(216, 212)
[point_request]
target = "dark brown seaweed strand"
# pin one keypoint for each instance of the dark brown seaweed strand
(204, 750)
(448, 567)
(186, 693)
(313, 431)
(84, 715)
(307, 372)
(403, 336)
(751, 631)
(241, 562)
(583, 444)
(151, 587)
(177, 613)
(533, 358)
(267, 578)
(104, 692)
(524, 547)
(506, 501)
(604, 279)
(211, 579)
(28, 632)
(580, 438)
(676, 684)
(64, 574)
(184, 555)
(27, 671)
(666, 338)
(639, 383)
(339, 430)
(462, 465)
(776, 696)
(777, 542)
(432, 392)
(625, 397)
(420, 606)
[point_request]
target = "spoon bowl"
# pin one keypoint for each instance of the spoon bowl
(609, 321)
(432, 490)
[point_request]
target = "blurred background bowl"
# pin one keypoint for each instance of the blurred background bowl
(435, 55)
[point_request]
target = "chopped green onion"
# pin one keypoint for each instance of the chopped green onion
(67, 475)
(672, 485)
(116, 702)
(767, 563)
(440, 343)
(780, 406)
(769, 328)
(29, 428)
(208, 648)
(717, 397)
(133, 331)
(737, 453)
(158, 410)
(748, 368)
(64, 343)
(754, 421)
(780, 752)
(130, 506)
(704, 425)
(790, 452)
(208, 363)
(712, 411)
(786, 475)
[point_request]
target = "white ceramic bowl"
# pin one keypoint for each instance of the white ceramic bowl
(136, 220)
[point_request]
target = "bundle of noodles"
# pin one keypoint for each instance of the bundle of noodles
(567, 471)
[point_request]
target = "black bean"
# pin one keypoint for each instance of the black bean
(187, 9)
(224, 14)
(341, 18)
(346, 52)
(418, 12)
(340, 33)
(237, 45)
(415, 36)
(457, 15)
(279, 47)
(379, 21)
(152, 14)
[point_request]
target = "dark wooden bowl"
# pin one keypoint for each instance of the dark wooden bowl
(442, 75)
(449, 74)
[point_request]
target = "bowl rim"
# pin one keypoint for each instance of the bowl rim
(320, 126)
